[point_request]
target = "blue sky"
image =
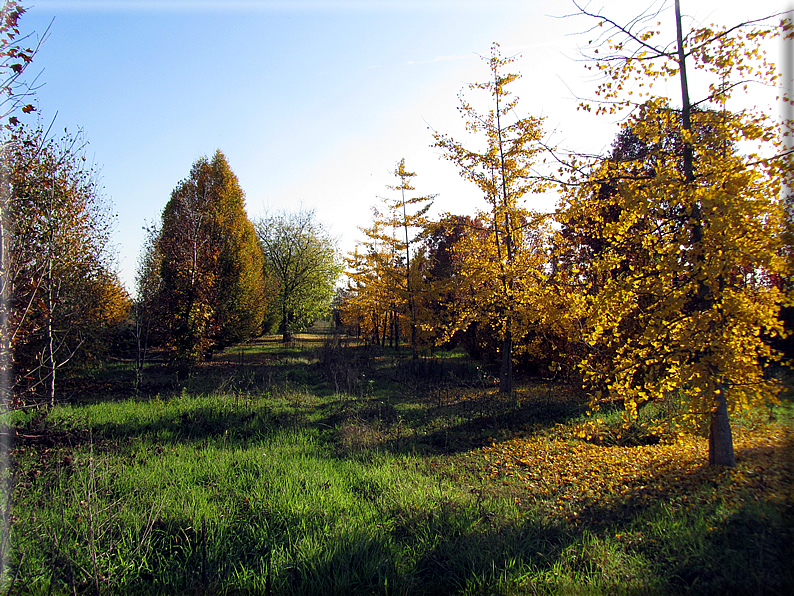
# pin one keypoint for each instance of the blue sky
(313, 102)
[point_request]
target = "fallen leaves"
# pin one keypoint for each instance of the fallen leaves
(569, 474)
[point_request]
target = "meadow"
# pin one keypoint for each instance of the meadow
(329, 467)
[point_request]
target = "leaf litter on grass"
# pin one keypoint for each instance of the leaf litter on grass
(567, 474)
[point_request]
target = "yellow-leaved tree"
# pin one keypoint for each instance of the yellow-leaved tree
(385, 282)
(503, 264)
(679, 273)
(400, 218)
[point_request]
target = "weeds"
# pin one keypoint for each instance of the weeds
(341, 366)
(381, 477)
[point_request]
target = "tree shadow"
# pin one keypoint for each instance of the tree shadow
(632, 545)
(455, 423)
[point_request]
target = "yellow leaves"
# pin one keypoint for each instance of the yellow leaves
(574, 474)
(677, 291)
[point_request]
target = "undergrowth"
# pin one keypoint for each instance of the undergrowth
(332, 470)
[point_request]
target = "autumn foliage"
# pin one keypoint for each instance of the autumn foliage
(387, 269)
(204, 268)
(570, 474)
(639, 440)
(63, 295)
(658, 276)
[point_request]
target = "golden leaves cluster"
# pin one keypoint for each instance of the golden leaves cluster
(630, 62)
(567, 473)
(680, 263)
(385, 282)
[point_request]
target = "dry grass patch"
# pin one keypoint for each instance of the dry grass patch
(360, 435)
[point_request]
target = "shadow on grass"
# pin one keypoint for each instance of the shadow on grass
(352, 423)
(441, 551)
(448, 550)
(473, 419)
(638, 545)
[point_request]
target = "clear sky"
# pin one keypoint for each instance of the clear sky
(313, 102)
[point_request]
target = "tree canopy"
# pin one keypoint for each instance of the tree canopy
(505, 264)
(388, 266)
(301, 258)
(211, 291)
(677, 291)
(62, 291)
(661, 275)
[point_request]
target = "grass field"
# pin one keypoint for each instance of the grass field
(325, 468)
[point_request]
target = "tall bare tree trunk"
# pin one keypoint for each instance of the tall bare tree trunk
(411, 311)
(720, 437)
(506, 372)
(50, 339)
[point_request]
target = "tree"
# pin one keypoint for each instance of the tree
(302, 259)
(415, 220)
(148, 285)
(448, 289)
(389, 257)
(211, 290)
(14, 60)
(506, 271)
(63, 293)
(442, 275)
(371, 296)
(684, 312)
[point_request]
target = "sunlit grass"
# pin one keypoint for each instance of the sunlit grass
(249, 486)
(153, 496)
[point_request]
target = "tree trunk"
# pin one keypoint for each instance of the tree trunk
(720, 436)
(686, 108)
(141, 340)
(50, 338)
(286, 332)
(5, 341)
(415, 353)
(396, 324)
(506, 371)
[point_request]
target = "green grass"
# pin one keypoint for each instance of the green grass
(261, 478)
